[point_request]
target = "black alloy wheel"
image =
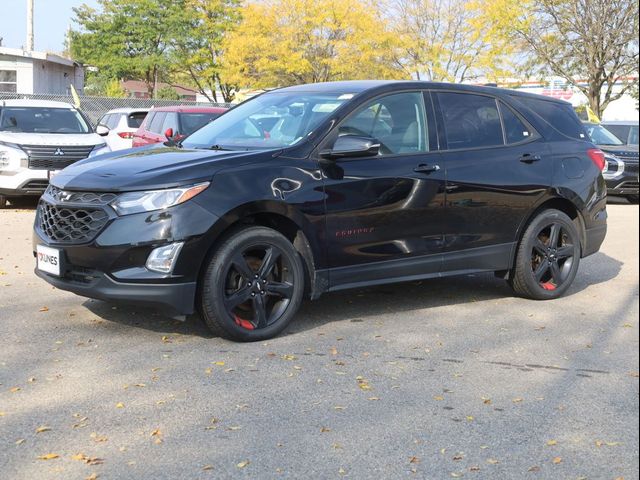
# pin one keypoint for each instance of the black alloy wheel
(548, 256)
(252, 286)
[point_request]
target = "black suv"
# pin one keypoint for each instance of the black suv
(318, 188)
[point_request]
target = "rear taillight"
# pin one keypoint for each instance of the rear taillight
(597, 157)
(125, 135)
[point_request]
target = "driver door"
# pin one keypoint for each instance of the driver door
(383, 212)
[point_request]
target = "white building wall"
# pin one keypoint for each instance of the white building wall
(49, 77)
(24, 71)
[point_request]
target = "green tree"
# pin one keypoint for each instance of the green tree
(198, 54)
(127, 38)
(285, 42)
(167, 93)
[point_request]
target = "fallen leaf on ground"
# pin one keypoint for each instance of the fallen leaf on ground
(493, 461)
(119, 405)
(48, 456)
(414, 460)
(243, 464)
(207, 467)
(557, 460)
(552, 443)
(43, 428)
(518, 400)
(14, 389)
(44, 309)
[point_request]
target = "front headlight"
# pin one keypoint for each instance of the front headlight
(613, 166)
(137, 202)
(11, 159)
(99, 150)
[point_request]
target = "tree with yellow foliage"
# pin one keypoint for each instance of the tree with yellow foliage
(285, 42)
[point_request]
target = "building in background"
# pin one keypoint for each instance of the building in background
(138, 89)
(31, 72)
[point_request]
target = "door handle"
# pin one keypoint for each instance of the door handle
(529, 159)
(422, 168)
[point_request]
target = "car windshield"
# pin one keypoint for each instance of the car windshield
(601, 136)
(42, 120)
(272, 120)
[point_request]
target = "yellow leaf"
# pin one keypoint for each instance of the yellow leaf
(93, 476)
(43, 428)
(438, 398)
(552, 443)
(334, 351)
(14, 389)
(220, 364)
(48, 456)
(518, 400)
(119, 405)
(44, 309)
(493, 461)
(557, 460)
(20, 441)
(243, 464)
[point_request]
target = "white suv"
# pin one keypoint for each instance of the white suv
(37, 140)
(118, 125)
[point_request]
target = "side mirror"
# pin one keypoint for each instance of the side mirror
(169, 133)
(352, 146)
(102, 130)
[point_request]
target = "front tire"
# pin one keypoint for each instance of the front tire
(3, 201)
(548, 257)
(252, 286)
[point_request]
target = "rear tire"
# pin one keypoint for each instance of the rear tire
(252, 285)
(548, 257)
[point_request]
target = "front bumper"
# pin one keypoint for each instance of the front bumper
(25, 182)
(625, 184)
(178, 298)
(111, 266)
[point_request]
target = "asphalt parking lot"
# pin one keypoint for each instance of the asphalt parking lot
(437, 379)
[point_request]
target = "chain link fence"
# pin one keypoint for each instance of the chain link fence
(96, 107)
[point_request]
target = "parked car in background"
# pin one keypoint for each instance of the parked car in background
(356, 184)
(173, 122)
(621, 170)
(37, 140)
(117, 126)
(627, 132)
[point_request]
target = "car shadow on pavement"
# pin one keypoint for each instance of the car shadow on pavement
(376, 301)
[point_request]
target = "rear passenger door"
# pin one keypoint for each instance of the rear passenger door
(497, 168)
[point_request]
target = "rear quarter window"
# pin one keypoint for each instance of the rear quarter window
(135, 119)
(560, 116)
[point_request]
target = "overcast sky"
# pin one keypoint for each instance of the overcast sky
(52, 18)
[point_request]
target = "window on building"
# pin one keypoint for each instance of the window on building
(8, 81)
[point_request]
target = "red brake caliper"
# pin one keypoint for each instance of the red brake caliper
(243, 323)
(548, 286)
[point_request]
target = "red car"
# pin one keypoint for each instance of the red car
(173, 122)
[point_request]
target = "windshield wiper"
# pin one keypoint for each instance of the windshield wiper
(219, 147)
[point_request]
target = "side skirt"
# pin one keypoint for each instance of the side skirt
(477, 260)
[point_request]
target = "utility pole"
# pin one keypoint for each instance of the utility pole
(29, 26)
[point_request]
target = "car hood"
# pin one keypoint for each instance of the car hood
(153, 167)
(622, 151)
(52, 139)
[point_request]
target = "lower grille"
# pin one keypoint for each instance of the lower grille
(69, 224)
(85, 276)
(52, 157)
(36, 185)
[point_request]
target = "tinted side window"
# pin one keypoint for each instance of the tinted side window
(170, 121)
(560, 116)
(134, 120)
(470, 121)
(148, 119)
(156, 123)
(398, 121)
(515, 131)
(104, 120)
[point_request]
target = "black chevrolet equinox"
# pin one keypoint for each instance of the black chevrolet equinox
(317, 188)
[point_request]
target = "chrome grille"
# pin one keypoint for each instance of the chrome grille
(55, 157)
(63, 224)
(84, 198)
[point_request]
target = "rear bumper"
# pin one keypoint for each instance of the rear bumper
(593, 239)
(176, 297)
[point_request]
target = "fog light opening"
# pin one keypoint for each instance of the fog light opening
(163, 259)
